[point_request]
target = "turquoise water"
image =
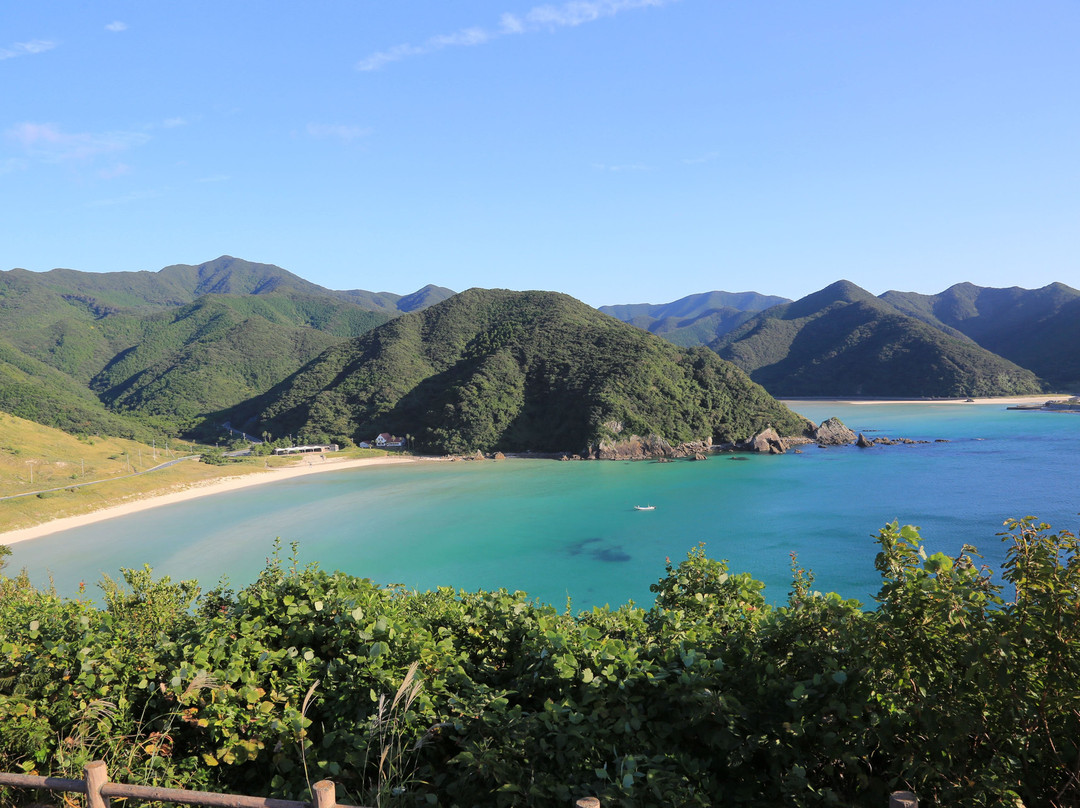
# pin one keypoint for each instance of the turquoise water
(559, 530)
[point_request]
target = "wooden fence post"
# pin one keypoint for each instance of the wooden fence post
(903, 799)
(322, 794)
(97, 775)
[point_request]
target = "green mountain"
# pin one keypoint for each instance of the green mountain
(180, 284)
(177, 345)
(843, 341)
(493, 369)
(1038, 329)
(695, 319)
(32, 390)
(220, 350)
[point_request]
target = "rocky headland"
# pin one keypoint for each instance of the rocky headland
(831, 432)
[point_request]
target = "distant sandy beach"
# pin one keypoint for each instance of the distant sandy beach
(198, 490)
(273, 475)
(1005, 400)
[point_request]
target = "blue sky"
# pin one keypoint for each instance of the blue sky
(617, 150)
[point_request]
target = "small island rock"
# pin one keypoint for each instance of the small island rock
(767, 441)
(833, 433)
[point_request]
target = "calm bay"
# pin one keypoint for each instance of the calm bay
(570, 530)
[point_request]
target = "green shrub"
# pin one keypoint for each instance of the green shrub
(948, 688)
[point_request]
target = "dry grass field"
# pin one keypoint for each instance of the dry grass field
(36, 458)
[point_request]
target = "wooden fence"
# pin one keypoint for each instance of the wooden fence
(98, 790)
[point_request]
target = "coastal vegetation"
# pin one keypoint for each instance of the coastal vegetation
(498, 370)
(958, 685)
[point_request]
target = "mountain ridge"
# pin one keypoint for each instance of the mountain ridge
(1036, 330)
(500, 370)
(178, 284)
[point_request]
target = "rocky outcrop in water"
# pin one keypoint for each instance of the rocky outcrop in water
(636, 447)
(768, 441)
(833, 433)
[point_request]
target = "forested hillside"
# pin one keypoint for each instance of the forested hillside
(32, 390)
(844, 341)
(208, 356)
(869, 349)
(172, 348)
(182, 283)
(492, 369)
(178, 349)
(1038, 329)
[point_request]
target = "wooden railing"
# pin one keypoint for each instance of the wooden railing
(98, 790)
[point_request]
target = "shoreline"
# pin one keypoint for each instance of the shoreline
(215, 486)
(1004, 400)
(226, 484)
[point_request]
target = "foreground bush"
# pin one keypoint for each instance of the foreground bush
(447, 698)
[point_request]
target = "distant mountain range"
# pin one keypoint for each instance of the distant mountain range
(190, 346)
(83, 350)
(844, 341)
(696, 319)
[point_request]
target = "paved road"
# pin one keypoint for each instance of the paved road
(95, 482)
(226, 425)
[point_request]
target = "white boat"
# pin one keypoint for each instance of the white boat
(644, 507)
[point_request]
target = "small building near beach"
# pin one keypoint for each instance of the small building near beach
(312, 449)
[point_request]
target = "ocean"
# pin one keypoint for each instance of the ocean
(568, 533)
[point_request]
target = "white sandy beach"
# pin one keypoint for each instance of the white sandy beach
(1007, 401)
(217, 486)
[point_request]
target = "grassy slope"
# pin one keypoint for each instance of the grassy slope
(59, 459)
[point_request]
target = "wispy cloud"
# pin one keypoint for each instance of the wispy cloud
(622, 167)
(215, 178)
(114, 171)
(48, 143)
(172, 123)
(27, 48)
(705, 158)
(134, 196)
(11, 164)
(116, 26)
(337, 131)
(538, 18)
